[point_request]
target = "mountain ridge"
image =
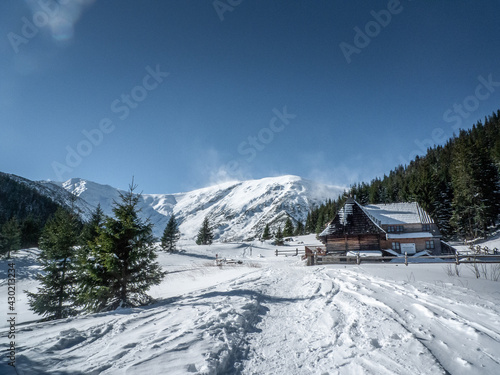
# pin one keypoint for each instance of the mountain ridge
(236, 209)
(57, 194)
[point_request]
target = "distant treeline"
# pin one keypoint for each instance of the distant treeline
(458, 184)
(27, 206)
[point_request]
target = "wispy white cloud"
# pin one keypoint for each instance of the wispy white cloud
(59, 17)
(351, 170)
(213, 168)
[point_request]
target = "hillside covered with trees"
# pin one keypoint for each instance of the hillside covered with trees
(26, 206)
(458, 184)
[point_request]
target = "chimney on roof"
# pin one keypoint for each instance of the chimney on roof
(346, 210)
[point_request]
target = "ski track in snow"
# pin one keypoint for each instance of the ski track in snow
(334, 327)
(169, 335)
(361, 324)
(283, 318)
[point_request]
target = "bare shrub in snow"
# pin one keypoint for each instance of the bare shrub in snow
(449, 270)
(452, 271)
(255, 265)
(495, 272)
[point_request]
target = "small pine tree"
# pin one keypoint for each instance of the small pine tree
(123, 260)
(31, 230)
(299, 230)
(320, 224)
(278, 237)
(171, 235)
(10, 237)
(267, 233)
(55, 297)
(91, 229)
(288, 230)
(205, 234)
(312, 218)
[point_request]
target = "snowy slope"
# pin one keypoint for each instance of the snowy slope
(273, 315)
(237, 210)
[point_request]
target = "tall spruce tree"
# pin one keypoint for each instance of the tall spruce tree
(299, 230)
(320, 224)
(288, 229)
(171, 235)
(31, 230)
(91, 228)
(475, 184)
(10, 237)
(55, 297)
(90, 273)
(278, 237)
(311, 221)
(123, 259)
(205, 234)
(267, 233)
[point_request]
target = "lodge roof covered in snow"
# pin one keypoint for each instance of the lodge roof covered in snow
(397, 213)
(351, 220)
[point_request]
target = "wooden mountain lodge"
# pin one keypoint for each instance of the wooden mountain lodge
(381, 229)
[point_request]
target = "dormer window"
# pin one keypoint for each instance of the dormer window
(395, 228)
(426, 227)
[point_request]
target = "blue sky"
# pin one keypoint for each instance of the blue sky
(183, 93)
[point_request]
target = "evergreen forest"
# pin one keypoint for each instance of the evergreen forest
(457, 183)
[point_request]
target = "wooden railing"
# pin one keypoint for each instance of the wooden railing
(290, 252)
(316, 258)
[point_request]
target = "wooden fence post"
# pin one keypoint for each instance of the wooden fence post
(296, 251)
(457, 261)
(276, 252)
(406, 259)
(358, 259)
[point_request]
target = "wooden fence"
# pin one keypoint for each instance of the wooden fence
(319, 256)
(290, 252)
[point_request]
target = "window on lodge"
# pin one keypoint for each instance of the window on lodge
(395, 228)
(426, 227)
(429, 245)
(396, 246)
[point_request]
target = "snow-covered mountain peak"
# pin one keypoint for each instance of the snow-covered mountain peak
(76, 185)
(236, 209)
(79, 186)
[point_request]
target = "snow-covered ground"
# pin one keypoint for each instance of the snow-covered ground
(271, 315)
